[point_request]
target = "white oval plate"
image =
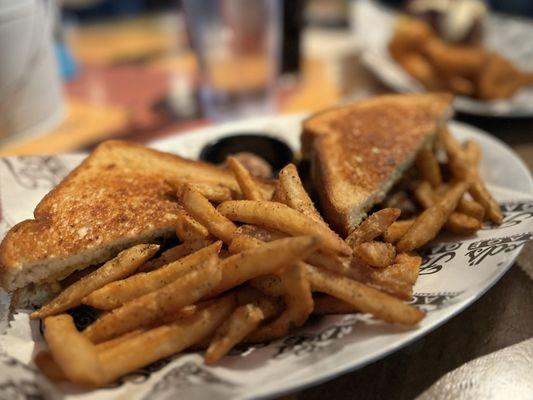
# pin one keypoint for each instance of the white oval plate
(454, 274)
(510, 36)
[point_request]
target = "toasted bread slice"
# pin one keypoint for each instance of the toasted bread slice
(117, 197)
(359, 151)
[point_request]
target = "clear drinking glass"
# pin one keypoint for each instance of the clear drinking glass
(238, 49)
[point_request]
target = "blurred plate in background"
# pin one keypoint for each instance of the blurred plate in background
(509, 36)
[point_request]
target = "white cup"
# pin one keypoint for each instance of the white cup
(31, 98)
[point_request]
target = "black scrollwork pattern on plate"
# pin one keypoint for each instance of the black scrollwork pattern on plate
(16, 380)
(21, 390)
(433, 301)
(305, 343)
(32, 172)
(11, 362)
(185, 376)
(434, 258)
(480, 250)
(514, 213)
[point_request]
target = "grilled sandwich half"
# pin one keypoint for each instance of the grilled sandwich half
(359, 151)
(120, 195)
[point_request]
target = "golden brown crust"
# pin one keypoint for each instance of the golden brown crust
(358, 151)
(95, 211)
(119, 195)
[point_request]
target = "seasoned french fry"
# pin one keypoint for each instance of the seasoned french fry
(189, 229)
(428, 224)
(269, 305)
(428, 167)
(481, 194)
(49, 367)
(294, 194)
(298, 297)
(282, 218)
(449, 143)
(419, 68)
(269, 285)
(174, 254)
(396, 279)
(202, 210)
(440, 191)
(265, 259)
(245, 180)
(472, 151)
(265, 235)
(376, 254)
(292, 285)
(243, 242)
(165, 340)
(244, 320)
(424, 194)
(380, 279)
(299, 302)
(279, 195)
(148, 309)
(460, 85)
(117, 293)
(327, 305)
(461, 169)
(113, 342)
(334, 263)
(75, 354)
(375, 225)
(363, 298)
(184, 312)
(124, 264)
(466, 206)
(405, 268)
(457, 222)
(462, 224)
(471, 208)
(464, 169)
(396, 230)
(213, 192)
(409, 266)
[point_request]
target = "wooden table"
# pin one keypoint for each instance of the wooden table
(117, 95)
